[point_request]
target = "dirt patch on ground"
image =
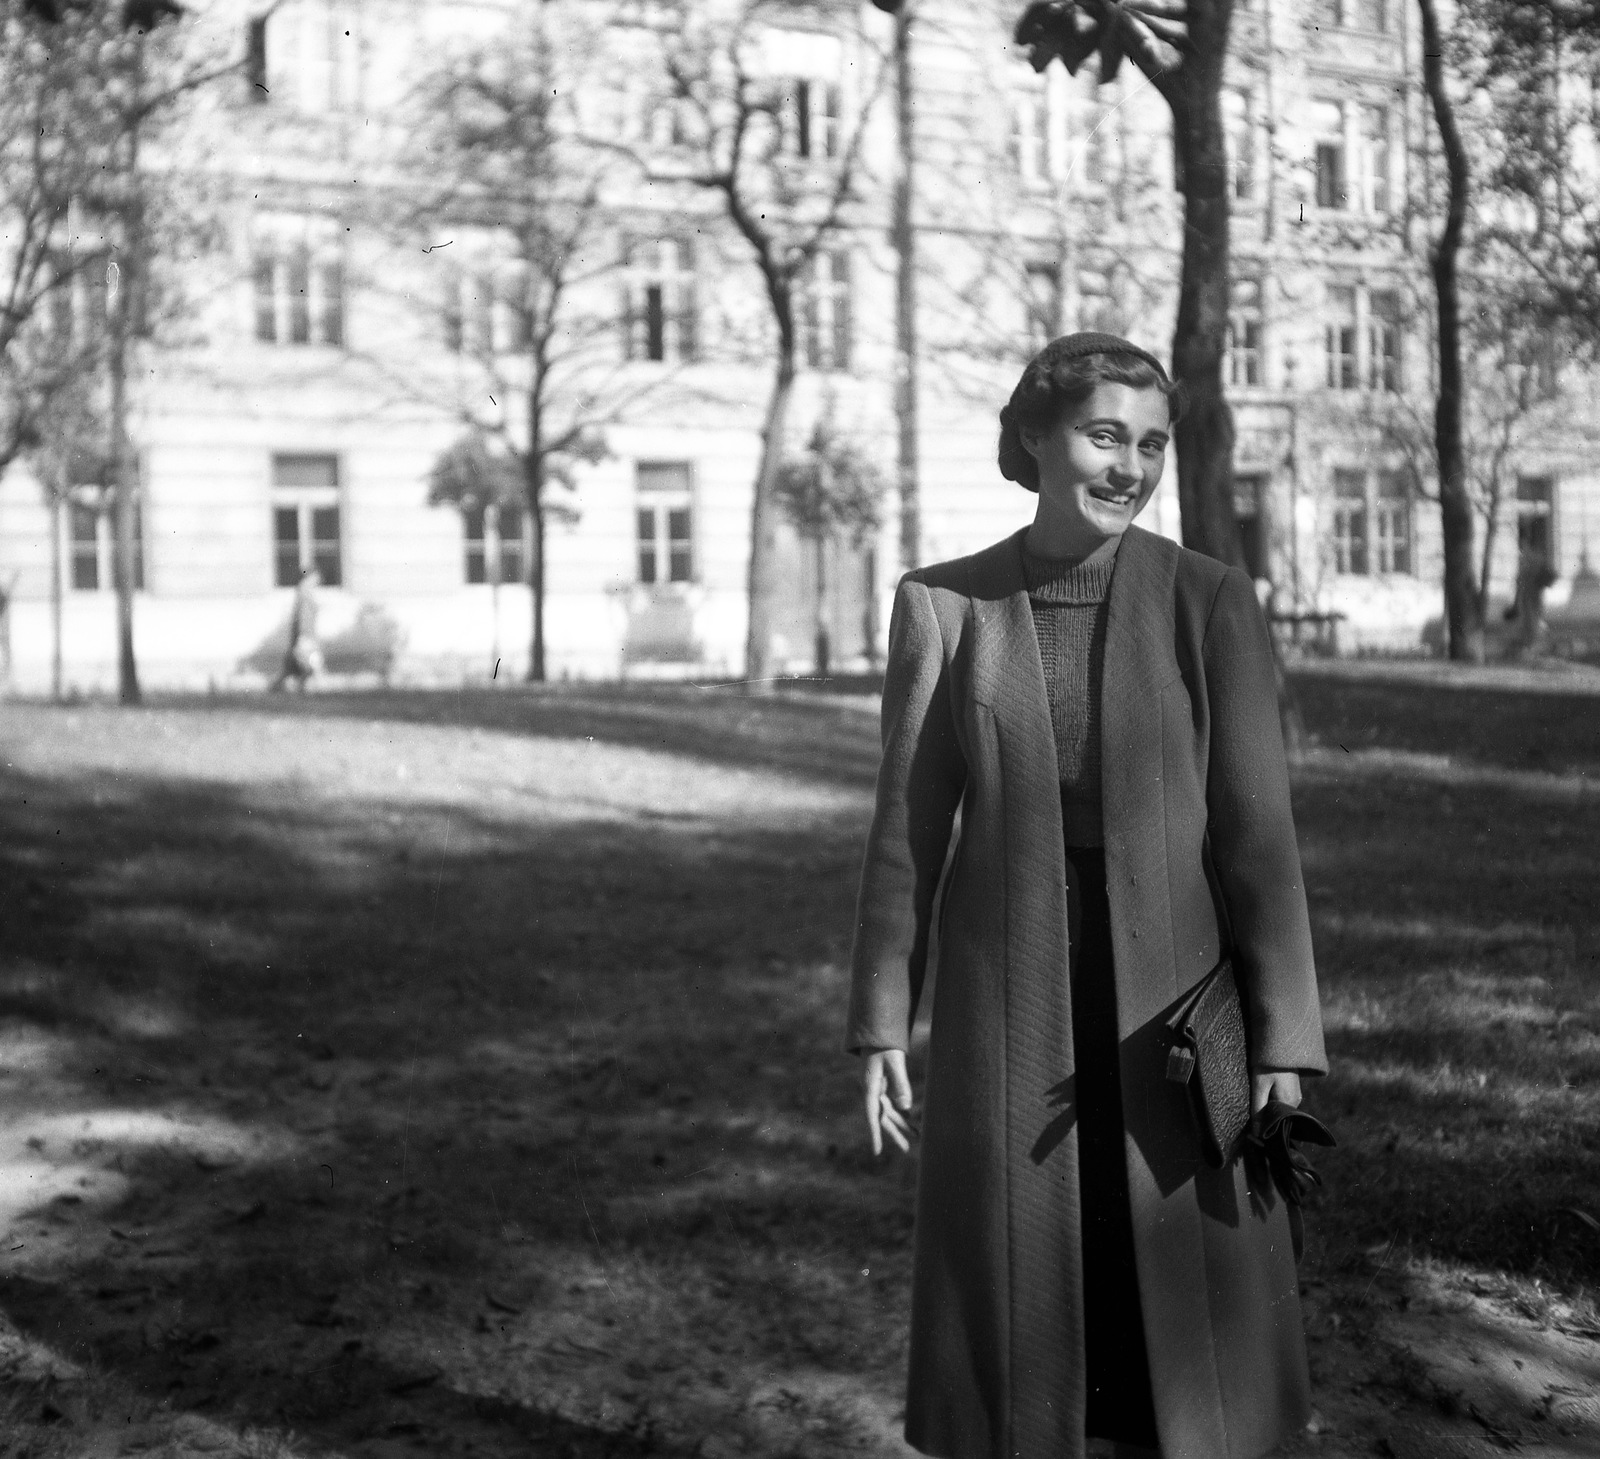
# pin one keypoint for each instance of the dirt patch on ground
(440, 1074)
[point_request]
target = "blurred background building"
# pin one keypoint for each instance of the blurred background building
(346, 317)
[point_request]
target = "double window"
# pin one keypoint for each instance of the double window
(494, 539)
(298, 273)
(304, 55)
(1042, 299)
(1371, 523)
(1351, 152)
(92, 547)
(1364, 339)
(664, 518)
(810, 122)
(825, 312)
(1061, 131)
(1244, 361)
(486, 311)
(305, 519)
(1097, 300)
(1030, 133)
(659, 310)
(1239, 122)
(1352, 14)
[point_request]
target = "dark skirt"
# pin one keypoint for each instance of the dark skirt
(1118, 1368)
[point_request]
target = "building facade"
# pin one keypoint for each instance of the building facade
(329, 355)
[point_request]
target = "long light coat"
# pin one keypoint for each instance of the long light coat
(1197, 818)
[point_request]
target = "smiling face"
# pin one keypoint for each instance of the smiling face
(1098, 466)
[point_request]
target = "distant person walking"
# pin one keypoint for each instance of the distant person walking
(1100, 705)
(1534, 575)
(303, 656)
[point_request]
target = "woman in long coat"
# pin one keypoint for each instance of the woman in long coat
(1099, 703)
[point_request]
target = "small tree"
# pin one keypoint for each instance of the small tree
(502, 157)
(87, 83)
(72, 459)
(786, 186)
(830, 492)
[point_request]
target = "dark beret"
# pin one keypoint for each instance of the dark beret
(1093, 342)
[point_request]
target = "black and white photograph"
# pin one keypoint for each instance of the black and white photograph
(799, 729)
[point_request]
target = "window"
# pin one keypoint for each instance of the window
(92, 543)
(1352, 14)
(1042, 297)
(255, 61)
(1239, 122)
(1392, 523)
(485, 311)
(1095, 153)
(306, 55)
(1373, 190)
(1365, 339)
(1249, 496)
(493, 539)
(825, 326)
(659, 300)
(1244, 346)
(305, 519)
(665, 518)
(299, 284)
(1097, 308)
(77, 304)
(1367, 14)
(1535, 517)
(1340, 336)
(1350, 522)
(1030, 136)
(808, 118)
(1327, 121)
(1383, 500)
(1383, 341)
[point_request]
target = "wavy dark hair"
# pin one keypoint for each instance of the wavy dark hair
(1066, 373)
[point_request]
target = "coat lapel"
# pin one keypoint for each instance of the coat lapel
(1008, 674)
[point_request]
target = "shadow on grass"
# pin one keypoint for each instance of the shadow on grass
(556, 1106)
(1549, 730)
(527, 1047)
(1458, 938)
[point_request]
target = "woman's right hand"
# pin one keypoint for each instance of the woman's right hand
(888, 1097)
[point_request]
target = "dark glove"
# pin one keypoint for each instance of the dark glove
(1269, 1142)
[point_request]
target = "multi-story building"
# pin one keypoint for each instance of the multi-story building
(327, 358)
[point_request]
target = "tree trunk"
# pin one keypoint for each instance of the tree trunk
(536, 668)
(534, 479)
(122, 506)
(122, 500)
(824, 645)
(1204, 435)
(764, 523)
(1463, 621)
(57, 527)
(905, 297)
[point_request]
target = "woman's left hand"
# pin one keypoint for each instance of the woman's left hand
(1270, 1084)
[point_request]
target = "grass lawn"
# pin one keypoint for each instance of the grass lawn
(438, 1073)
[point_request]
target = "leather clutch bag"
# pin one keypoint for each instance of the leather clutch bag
(1209, 1056)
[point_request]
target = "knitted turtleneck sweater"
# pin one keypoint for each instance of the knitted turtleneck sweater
(1069, 617)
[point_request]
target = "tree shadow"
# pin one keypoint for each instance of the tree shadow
(444, 1063)
(1549, 731)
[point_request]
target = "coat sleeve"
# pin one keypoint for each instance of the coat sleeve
(1251, 829)
(919, 786)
